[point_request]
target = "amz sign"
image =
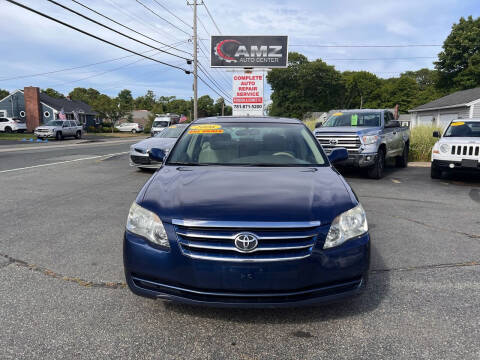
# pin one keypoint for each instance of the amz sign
(249, 51)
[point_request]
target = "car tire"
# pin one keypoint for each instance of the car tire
(134, 131)
(435, 172)
(376, 171)
(58, 136)
(402, 161)
(8, 129)
(78, 135)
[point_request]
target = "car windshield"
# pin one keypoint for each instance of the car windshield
(161, 123)
(354, 119)
(173, 131)
(463, 129)
(55, 123)
(247, 144)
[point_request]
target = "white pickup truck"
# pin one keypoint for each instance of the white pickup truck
(458, 149)
(59, 129)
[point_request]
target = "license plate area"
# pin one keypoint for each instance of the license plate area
(469, 163)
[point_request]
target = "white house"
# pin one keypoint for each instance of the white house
(459, 105)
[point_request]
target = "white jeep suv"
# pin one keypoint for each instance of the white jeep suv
(458, 149)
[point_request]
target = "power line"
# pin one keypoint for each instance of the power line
(381, 46)
(115, 31)
(127, 27)
(212, 80)
(215, 91)
(374, 59)
(77, 67)
(211, 18)
(95, 36)
(171, 13)
(153, 12)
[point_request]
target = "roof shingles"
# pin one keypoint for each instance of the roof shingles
(459, 98)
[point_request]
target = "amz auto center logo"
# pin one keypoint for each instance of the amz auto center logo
(233, 51)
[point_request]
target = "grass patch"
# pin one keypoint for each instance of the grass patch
(16, 136)
(116, 135)
(421, 142)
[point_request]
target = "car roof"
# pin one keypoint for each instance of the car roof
(252, 119)
(363, 110)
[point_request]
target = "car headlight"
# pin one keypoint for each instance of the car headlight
(369, 139)
(444, 148)
(145, 223)
(350, 224)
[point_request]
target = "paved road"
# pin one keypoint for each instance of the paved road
(62, 293)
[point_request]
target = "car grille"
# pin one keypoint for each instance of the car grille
(144, 160)
(330, 141)
(43, 130)
(465, 150)
(276, 242)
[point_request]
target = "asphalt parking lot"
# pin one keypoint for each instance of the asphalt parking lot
(62, 291)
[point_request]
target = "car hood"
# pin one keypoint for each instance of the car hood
(347, 129)
(219, 193)
(45, 127)
(154, 142)
(460, 140)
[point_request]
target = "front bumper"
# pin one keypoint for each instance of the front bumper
(143, 161)
(325, 276)
(359, 160)
(458, 165)
(43, 134)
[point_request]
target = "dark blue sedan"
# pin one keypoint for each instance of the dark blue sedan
(247, 212)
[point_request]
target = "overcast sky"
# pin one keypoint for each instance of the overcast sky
(31, 44)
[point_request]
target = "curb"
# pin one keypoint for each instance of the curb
(421, 164)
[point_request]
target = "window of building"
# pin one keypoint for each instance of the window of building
(46, 114)
(22, 113)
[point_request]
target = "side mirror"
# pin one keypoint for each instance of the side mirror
(337, 155)
(157, 154)
(436, 134)
(317, 125)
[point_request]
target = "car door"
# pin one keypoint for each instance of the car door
(395, 135)
(3, 122)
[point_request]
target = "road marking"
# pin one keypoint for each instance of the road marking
(63, 162)
(86, 144)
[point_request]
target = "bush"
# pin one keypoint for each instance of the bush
(92, 129)
(106, 129)
(421, 142)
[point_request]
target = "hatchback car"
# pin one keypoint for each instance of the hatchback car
(247, 212)
(9, 125)
(129, 127)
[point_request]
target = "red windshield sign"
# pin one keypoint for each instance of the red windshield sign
(249, 51)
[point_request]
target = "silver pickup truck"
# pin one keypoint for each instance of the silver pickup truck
(371, 136)
(59, 129)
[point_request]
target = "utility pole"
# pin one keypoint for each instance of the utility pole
(195, 65)
(223, 108)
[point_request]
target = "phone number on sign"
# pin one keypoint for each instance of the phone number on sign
(246, 106)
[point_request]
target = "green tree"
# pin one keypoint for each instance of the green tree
(88, 96)
(145, 102)
(305, 86)
(53, 93)
(205, 106)
(3, 93)
(360, 88)
(125, 99)
(459, 62)
(217, 108)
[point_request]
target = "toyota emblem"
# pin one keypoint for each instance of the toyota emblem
(246, 242)
(333, 142)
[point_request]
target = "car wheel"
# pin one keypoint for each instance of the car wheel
(376, 171)
(78, 135)
(402, 161)
(8, 129)
(435, 172)
(134, 131)
(58, 135)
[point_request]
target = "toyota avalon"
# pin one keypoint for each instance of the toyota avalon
(247, 212)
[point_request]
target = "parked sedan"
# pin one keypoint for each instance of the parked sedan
(129, 127)
(247, 212)
(163, 140)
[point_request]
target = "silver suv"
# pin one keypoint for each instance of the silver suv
(59, 129)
